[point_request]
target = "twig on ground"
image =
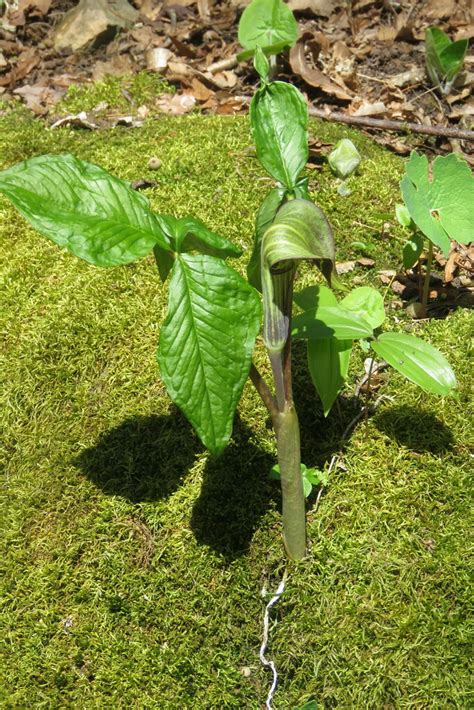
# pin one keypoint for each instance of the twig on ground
(387, 125)
(263, 647)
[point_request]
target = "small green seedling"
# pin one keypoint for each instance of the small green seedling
(311, 477)
(343, 161)
(214, 315)
(268, 24)
(444, 58)
(438, 206)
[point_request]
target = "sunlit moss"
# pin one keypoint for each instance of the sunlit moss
(133, 561)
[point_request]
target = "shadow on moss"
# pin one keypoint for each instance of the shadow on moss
(148, 458)
(236, 493)
(142, 459)
(416, 429)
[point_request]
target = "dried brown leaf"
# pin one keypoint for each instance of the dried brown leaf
(313, 76)
(324, 8)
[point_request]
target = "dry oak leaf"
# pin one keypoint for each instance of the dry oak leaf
(313, 76)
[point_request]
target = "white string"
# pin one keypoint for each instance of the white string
(263, 647)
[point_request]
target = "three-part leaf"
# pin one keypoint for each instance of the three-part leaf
(206, 343)
(83, 208)
(441, 206)
(418, 361)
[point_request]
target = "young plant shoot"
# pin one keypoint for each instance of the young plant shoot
(214, 315)
(438, 206)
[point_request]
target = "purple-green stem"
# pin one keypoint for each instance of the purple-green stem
(287, 431)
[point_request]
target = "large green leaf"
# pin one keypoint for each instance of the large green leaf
(418, 361)
(81, 207)
(328, 363)
(206, 343)
(265, 23)
(441, 206)
(367, 302)
(279, 119)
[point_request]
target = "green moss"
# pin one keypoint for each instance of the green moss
(121, 93)
(133, 561)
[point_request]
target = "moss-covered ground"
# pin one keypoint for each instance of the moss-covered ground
(132, 560)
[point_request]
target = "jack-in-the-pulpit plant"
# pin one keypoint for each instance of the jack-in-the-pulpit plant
(214, 315)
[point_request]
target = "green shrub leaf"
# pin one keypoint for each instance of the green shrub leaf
(206, 343)
(279, 119)
(418, 361)
(440, 207)
(267, 24)
(83, 208)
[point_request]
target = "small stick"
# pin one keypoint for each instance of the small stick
(386, 125)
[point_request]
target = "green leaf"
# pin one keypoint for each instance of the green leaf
(403, 215)
(440, 207)
(206, 343)
(315, 297)
(83, 208)
(317, 477)
(367, 302)
(188, 234)
(324, 317)
(310, 476)
(261, 64)
(265, 216)
(299, 231)
(344, 159)
(418, 361)
(412, 250)
(444, 58)
(267, 22)
(330, 321)
(328, 363)
(279, 120)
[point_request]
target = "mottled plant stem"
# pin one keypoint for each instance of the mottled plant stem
(293, 501)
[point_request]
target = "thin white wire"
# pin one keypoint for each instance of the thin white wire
(263, 647)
